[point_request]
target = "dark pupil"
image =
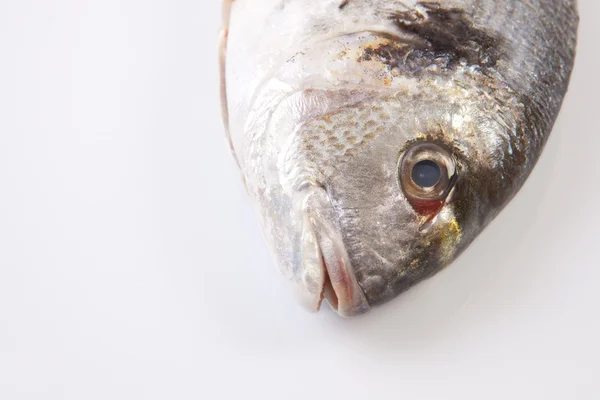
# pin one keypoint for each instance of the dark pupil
(426, 173)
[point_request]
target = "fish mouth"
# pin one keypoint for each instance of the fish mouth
(340, 288)
(338, 282)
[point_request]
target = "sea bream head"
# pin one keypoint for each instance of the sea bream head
(377, 148)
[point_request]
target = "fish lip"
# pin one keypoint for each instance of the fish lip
(339, 284)
(340, 287)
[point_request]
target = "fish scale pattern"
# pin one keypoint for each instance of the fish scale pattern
(338, 135)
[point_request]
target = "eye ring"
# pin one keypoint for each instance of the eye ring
(427, 172)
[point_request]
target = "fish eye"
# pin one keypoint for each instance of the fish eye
(427, 172)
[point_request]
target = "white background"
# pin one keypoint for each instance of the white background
(131, 265)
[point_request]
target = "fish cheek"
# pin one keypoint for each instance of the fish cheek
(389, 253)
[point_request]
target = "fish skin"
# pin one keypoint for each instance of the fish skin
(324, 101)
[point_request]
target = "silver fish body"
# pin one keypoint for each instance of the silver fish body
(377, 138)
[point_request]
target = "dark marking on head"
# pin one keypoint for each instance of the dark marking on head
(451, 33)
(446, 38)
(344, 4)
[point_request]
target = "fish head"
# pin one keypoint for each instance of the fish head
(383, 162)
(377, 139)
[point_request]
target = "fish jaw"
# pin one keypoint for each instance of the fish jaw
(324, 256)
(312, 257)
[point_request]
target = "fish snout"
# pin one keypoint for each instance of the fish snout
(323, 250)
